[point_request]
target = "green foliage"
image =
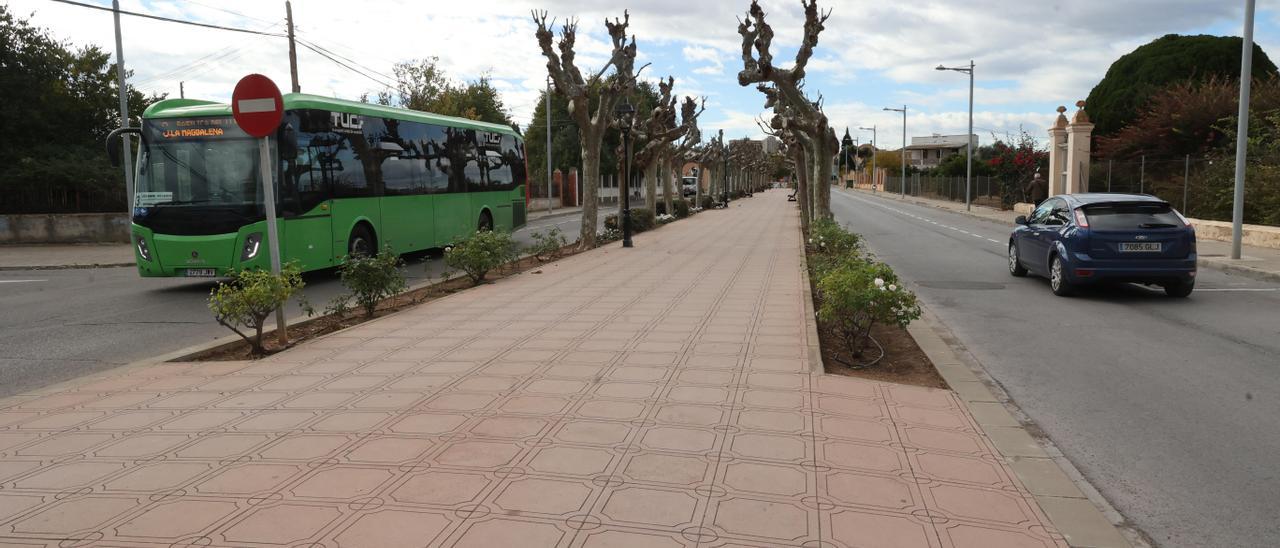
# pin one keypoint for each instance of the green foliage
(59, 104)
(856, 295)
(250, 297)
(1185, 118)
(681, 207)
(707, 202)
(422, 85)
(566, 142)
(829, 245)
(372, 279)
(956, 166)
(1131, 81)
(1014, 161)
(481, 253)
(642, 219)
(1213, 195)
(547, 245)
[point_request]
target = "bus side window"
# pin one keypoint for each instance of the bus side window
(472, 172)
(435, 152)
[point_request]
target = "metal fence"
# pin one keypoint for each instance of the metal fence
(985, 190)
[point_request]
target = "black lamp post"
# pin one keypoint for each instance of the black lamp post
(725, 179)
(625, 114)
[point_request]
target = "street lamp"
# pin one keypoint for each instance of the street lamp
(872, 129)
(626, 115)
(968, 138)
(549, 145)
(902, 187)
(1242, 131)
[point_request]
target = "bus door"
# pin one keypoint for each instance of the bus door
(306, 220)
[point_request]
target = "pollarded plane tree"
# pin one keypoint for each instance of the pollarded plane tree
(711, 158)
(686, 151)
(796, 157)
(785, 86)
(658, 131)
(579, 90)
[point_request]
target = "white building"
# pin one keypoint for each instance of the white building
(928, 152)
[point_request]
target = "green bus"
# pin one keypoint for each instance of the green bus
(350, 178)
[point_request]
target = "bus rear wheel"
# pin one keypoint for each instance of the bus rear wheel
(361, 243)
(486, 222)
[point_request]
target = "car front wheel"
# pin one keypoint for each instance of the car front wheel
(1015, 264)
(1058, 278)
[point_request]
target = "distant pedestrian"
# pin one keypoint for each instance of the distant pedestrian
(1037, 190)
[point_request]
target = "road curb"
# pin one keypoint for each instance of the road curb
(1072, 504)
(65, 266)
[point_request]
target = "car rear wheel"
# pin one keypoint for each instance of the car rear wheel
(1058, 278)
(1180, 289)
(1015, 264)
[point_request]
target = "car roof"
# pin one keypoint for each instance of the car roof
(1090, 198)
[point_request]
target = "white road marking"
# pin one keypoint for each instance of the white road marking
(930, 221)
(1225, 289)
(20, 281)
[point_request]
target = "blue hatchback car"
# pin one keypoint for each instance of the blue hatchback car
(1078, 239)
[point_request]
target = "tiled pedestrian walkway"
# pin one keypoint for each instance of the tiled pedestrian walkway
(657, 396)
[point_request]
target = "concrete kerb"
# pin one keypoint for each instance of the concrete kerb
(1072, 504)
(810, 315)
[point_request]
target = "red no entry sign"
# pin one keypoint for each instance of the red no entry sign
(257, 106)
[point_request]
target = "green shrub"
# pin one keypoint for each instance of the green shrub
(250, 297)
(829, 245)
(371, 279)
(660, 208)
(681, 208)
(481, 253)
(707, 202)
(643, 219)
(857, 295)
(547, 246)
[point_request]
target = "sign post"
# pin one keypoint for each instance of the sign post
(258, 108)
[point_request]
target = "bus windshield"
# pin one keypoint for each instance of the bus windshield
(197, 176)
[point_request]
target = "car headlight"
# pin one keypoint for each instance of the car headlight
(143, 250)
(252, 243)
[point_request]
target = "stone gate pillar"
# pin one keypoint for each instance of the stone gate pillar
(1078, 136)
(1057, 154)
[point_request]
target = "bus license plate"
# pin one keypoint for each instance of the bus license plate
(199, 273)
(1140, 247)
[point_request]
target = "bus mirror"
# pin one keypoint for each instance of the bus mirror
(113, 150)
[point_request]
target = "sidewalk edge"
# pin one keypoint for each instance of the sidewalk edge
(813, 349)
(1071, 503)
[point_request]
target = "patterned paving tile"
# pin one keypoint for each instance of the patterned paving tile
(655, 397)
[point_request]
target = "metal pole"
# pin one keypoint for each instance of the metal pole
(273, 239)
(548, 144)
(1109, 175)
(124, 110)
(293, 49)
(1242, 130)
(1142, 175)
(182, 92)
(873, 159)
(1186, 175)
(904, 152)
(968, 145)
(625, 187)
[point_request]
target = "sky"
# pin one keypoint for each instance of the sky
(1030, 55)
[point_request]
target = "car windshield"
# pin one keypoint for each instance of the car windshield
(1131, 216)
(197, 161)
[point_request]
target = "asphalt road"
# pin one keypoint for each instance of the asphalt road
(57, 325)
(1171, 408)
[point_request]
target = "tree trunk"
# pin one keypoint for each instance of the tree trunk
(822, 161)
(590, 191)
(802, 186)
(651, 187)
(664, 171)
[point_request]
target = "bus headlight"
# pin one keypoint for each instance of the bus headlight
(251, 245)
(143, 250)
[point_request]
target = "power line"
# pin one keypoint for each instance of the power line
(340, 56)
(346, 66)
(167, 19)
(236, 13)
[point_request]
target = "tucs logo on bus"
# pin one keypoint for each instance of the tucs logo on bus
(343, 122)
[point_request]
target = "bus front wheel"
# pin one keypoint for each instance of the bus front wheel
(361, 243)
(486, 222)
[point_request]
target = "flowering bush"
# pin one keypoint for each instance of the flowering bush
(856, 295)
(664, 218)
(829, 244)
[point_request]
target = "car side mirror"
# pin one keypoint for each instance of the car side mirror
(1020, 220)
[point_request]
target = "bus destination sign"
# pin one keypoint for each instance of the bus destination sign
(198, 128)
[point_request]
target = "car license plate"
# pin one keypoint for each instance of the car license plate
(199, 273)
(1140, 247)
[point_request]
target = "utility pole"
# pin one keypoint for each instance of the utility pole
(548, 144)
(902, 151)
(293, 49)
(182, 92)
(1242, 130)
(124, 110)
